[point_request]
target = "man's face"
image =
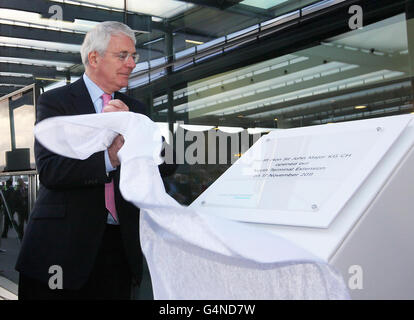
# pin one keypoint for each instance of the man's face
(112, 73)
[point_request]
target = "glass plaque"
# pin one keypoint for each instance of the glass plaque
(301, 176)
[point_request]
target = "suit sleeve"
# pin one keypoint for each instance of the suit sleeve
(58, 172)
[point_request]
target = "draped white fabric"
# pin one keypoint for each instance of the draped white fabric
(191, 255)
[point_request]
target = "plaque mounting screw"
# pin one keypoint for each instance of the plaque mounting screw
(379, 129)
(203, 203)
(314, 207)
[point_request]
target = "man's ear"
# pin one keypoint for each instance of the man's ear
(93, 58)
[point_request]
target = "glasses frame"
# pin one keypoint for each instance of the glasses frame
(124, 56)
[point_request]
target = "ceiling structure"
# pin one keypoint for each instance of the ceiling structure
(40, 42)
(359, 74)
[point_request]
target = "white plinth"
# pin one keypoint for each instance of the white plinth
(362, 218)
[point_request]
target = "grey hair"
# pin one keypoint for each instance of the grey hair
(97, 39)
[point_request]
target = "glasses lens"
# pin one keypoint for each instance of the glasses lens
(135, 56)
(122, 56)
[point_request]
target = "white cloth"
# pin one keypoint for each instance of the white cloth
(191, 255)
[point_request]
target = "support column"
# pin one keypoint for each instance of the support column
(68, 77)
(410, 40)
(12, 130)
(169, 48)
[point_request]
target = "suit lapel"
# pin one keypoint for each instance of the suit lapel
(81, 102)
(119, 96)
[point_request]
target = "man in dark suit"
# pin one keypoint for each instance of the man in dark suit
(82, 239)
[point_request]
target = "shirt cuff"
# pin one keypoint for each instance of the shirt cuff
(108, 164)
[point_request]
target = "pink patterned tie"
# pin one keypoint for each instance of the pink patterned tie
(109, 187)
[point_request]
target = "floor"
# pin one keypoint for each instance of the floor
(8, 276)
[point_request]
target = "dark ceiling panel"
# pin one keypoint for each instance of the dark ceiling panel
(70, 12)
(40, 34)
(234, 6)
(291, 6)
(250, 11)
(208, 20)
(27, 53)
(31, 69)
(16, 80)
(276, 43)
(213, 23)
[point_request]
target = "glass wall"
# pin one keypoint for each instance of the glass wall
(16, 201)
(355, 73)
(5, 142)
(17, 119)
(18, 179)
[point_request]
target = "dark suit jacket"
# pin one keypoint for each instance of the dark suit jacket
(69, 218)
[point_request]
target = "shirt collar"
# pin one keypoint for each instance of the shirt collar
(94, 91)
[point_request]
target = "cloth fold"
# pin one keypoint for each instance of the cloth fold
(191, 255)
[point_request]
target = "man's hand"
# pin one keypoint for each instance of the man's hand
(115, 105)
(113, 150)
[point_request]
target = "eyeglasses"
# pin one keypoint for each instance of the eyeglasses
(124, 56)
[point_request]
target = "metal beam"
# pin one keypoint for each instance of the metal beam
(16, 80)
(41, 34)
(41, 71)
(252, 12)
(37, 54)
(191, 32)
(70, 12)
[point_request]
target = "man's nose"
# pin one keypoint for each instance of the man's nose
(130, 62)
